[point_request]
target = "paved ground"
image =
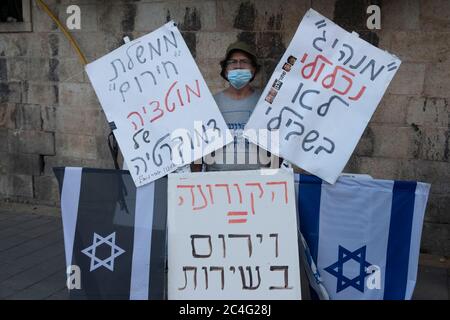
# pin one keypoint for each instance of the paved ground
(32, 261)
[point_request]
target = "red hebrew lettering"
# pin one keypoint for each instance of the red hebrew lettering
(239, 214)
(285, 188)
(228, 190)
(199, 187)
(312, 67)
(139, 116)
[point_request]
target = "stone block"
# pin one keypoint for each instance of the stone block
(213, 45)
(194, 15)
(7, 115)
(378, 168)
(30, 141)
(365, 146)
(324, 7)
(48, 115)
(51, 162)
(433, 144)
(437, 79)
(44, 94)
(210, 70)
(3, 70)
(16, 185)
(76, 146)
(41, 21)
(435, 172)
(46, 188)
(27, 117)
(393, 142)
(103, 152)
(260, 15)
(84, 121)
(3, 139)
(46, 45)
(88, 41)
(88, 21)
(11, 92)
(106, 163)
(434, 15)
(14, 44)
(78, 95)
(26, 164)
(391, 110)
(437, 209)
(42, 70)
(130, 17)
(118, 17)
(419, 46)
(435, 239)
(401, 15)
(148, 16)
(270, 45)
(17, 69)
(429, 112)
(408, 80)
(236, 14)
(70, 70)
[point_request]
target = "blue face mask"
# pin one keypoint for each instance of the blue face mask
(239, 77)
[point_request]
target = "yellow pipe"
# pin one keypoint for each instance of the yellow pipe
(64, 30)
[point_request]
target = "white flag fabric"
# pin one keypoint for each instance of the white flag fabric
(363, 235)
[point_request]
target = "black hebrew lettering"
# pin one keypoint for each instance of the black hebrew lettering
(185, 269)
(158, 162)
(249, 241)
(205, 269)
(286, 279)
(322, 110)
(222, 275)
(275, 122)
(194, 252)
(250, 286)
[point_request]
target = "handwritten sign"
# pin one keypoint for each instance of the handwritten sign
(152, 92)
(233, 235)
(321, 96)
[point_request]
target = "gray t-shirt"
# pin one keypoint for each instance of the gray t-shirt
(240, 154)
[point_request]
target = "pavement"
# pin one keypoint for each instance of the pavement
(32, 262)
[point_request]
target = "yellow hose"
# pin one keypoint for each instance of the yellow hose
(64, 30)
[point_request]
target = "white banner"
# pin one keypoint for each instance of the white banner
(321, 96)
(153, 93)
(233, 235)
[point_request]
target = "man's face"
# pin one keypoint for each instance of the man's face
(239, 60)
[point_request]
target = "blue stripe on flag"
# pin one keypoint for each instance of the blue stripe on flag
(309, 191)
(397, 256)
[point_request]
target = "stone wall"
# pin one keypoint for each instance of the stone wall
(50, 116)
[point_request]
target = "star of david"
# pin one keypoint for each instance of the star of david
(108, 262)
(337, 269)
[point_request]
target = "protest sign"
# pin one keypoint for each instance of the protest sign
(158, 104)
(233, 235)
(321, 96)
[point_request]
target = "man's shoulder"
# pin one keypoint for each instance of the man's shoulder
(219, 97)
(218, 94)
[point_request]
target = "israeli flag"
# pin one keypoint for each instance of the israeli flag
(114, 234)
(361, 235)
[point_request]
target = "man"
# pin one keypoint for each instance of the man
(236, 103)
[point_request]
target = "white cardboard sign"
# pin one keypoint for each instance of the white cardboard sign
(233, 235)
(322, 95)
(152, 91)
